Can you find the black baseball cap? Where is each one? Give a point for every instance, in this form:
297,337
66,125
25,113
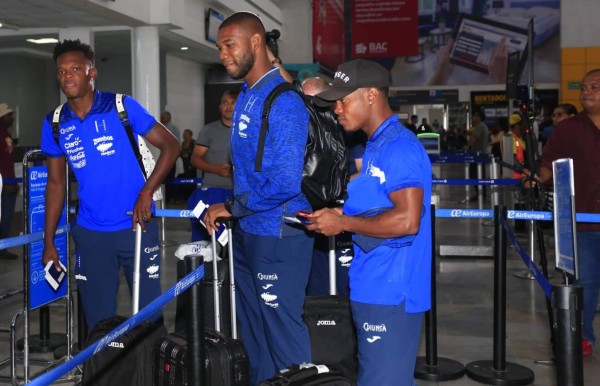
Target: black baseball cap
351,76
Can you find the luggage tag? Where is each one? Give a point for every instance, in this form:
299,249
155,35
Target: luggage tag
199,212
54,277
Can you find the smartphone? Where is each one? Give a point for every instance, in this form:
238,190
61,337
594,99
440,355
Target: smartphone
297,220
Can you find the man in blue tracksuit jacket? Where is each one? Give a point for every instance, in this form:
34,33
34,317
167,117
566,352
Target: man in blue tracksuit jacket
272,258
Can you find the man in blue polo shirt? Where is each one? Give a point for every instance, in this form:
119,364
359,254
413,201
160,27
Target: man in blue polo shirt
388,210
92,138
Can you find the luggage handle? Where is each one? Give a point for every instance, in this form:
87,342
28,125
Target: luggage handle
216,286
228,221
135,301
332,270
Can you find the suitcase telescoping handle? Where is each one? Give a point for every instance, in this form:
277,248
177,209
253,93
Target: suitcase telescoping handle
332,270
228,221
135,301
216,284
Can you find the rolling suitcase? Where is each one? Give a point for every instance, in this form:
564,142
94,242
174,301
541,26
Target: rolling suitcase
307,375
331,329
226,358
126,360
210,286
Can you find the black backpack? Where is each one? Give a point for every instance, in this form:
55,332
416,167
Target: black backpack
325,171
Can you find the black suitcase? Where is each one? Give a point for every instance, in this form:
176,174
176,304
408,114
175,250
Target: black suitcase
209,302
126,360
331,329
226,361
307,375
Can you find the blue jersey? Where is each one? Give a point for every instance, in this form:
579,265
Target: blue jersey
263,198
102,159
398,269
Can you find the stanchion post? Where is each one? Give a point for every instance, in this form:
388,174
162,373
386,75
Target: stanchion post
431,367
479,188
195,324
163,239
567,304
467,176
498,371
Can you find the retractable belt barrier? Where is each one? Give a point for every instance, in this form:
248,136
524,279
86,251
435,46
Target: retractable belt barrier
146,312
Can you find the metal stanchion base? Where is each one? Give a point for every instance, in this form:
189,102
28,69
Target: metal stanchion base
446,370
61,351
167,243
524,274
36,344
513,374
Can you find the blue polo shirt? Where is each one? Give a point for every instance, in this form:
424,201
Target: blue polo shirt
398,269
102,159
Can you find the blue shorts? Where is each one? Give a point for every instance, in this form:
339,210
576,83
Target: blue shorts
209,196
388,341
99,258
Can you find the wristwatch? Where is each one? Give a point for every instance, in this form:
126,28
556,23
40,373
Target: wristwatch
228,204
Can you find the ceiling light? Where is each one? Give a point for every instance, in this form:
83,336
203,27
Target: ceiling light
43,41
184,48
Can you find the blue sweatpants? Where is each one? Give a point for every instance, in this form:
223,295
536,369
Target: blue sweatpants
388,340
208,196
271,275
99,258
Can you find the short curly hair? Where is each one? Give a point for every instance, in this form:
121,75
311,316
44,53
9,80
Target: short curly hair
73,45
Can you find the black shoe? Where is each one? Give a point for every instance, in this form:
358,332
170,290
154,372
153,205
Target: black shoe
4,254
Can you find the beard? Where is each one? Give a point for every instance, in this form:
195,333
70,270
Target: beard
244,67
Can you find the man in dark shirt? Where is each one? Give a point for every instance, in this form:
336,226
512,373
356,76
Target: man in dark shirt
7,170
412,126
578,138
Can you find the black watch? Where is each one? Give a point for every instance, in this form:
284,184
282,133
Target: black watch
228,204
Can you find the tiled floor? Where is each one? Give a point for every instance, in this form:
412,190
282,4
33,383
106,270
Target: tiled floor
465,300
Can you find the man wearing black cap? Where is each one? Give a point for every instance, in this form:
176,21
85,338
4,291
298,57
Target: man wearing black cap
388,211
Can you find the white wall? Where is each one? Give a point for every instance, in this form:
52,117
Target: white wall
579,25
185,93
24,86
295,45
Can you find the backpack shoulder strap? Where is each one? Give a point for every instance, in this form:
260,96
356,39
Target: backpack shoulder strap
56,123
264,123
122,113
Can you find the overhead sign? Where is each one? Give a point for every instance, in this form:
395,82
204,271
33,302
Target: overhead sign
419,97
384,29
328,33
